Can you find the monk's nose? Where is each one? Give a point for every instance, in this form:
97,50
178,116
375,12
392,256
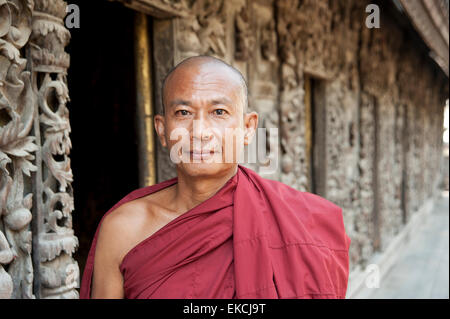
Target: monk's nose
201,130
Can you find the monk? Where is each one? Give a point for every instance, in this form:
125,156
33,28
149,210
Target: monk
218,229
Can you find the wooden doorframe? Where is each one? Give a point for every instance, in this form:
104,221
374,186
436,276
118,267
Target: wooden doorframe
159,50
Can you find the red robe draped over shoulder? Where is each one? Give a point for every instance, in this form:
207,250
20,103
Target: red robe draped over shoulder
255,238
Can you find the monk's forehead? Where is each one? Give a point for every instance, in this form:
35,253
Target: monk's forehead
203,76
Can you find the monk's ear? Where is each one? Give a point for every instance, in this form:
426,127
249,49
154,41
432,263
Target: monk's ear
160,127
250,126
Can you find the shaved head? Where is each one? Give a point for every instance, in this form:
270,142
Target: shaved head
196,63
205,117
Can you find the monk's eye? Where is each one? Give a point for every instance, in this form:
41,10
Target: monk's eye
182,113
219,112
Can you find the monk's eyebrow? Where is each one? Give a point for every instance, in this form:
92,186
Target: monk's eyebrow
179,102
223,101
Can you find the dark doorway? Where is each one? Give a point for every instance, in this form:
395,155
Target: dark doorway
102,113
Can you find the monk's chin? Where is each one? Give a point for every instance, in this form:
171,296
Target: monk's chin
205,169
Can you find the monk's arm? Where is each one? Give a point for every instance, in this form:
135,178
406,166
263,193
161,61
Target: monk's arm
107,280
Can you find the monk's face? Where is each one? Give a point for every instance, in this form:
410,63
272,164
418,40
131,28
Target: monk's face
204,125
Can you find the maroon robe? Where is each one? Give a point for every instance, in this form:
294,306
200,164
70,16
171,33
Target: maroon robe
255,238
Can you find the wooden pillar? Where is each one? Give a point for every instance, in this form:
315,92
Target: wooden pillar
144,96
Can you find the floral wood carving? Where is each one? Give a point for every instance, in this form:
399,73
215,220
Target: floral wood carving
55,240
17,146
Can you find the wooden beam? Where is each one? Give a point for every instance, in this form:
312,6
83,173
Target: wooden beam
144,97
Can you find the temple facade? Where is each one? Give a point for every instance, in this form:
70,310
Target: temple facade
355,88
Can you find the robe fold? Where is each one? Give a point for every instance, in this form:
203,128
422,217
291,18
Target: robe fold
255,238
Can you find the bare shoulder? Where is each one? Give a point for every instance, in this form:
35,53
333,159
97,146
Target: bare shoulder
120,229
130,223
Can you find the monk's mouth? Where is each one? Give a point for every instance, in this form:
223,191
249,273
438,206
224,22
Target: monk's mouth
201,155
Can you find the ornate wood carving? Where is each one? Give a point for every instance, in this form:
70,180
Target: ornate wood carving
361,118
53,238
164,58
203,31
363,223
389,172
258,56
292,111
17,146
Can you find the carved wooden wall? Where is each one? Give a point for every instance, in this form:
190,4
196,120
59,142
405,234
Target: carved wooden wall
36,236
53,236
17,151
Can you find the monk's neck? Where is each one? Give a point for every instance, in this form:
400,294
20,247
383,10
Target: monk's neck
190,191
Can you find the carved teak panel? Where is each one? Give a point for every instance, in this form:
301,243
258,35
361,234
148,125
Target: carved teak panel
36,202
